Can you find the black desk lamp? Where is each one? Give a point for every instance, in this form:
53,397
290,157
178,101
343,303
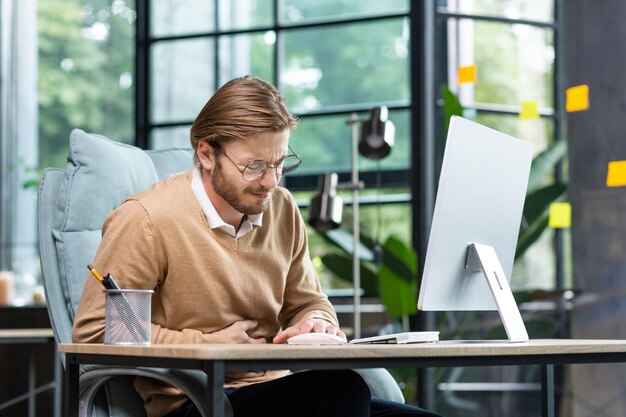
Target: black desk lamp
375,142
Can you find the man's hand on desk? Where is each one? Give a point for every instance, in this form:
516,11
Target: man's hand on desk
307,326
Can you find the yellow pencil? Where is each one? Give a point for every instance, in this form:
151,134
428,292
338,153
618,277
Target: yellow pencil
95,273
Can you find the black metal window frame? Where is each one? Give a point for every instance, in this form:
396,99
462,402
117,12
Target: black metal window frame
144,125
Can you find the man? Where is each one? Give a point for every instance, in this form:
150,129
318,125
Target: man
225,251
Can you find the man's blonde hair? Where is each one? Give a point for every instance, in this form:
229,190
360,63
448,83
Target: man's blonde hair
241,109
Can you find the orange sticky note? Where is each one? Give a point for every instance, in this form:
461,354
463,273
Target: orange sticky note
560,215
530,110
616,176
577,98
467,74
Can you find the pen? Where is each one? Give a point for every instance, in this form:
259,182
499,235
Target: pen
108,281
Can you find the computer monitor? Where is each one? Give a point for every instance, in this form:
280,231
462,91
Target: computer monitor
476,224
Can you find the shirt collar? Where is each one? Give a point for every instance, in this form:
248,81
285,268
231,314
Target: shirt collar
213,218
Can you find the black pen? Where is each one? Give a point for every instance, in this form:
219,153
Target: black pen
108,282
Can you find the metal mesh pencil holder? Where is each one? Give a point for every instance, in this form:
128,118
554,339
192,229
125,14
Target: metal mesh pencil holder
127,317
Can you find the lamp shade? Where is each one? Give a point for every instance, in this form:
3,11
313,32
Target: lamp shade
377,134
326,207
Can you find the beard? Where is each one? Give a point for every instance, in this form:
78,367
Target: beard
235,196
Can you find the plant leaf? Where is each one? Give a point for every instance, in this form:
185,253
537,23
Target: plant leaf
398,295
344,241
400,258
544,163
536,215
340,264
538,202
530,235
451,107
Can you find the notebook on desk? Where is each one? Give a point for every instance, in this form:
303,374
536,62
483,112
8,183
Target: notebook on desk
401,338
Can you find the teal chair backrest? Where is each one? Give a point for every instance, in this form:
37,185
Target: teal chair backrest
99,175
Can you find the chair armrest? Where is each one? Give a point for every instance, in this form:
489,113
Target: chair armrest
381,384
192,382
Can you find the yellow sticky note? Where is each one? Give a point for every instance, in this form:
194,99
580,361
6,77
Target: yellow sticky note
467,74
560,215
577,98
616,176
530,110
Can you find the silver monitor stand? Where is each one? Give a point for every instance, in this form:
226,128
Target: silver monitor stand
483,258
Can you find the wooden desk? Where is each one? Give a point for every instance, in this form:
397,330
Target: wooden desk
33,336
214,360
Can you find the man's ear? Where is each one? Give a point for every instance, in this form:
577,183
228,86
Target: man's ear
206,155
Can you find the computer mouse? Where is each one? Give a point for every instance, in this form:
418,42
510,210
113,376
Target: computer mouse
316,339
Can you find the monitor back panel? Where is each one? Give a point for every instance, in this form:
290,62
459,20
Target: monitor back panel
480,199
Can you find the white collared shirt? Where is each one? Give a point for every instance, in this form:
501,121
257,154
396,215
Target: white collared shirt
214,219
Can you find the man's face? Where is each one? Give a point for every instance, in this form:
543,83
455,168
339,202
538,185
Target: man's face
226,178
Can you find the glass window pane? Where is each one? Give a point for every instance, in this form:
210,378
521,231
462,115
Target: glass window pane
541,10
181,17
299,11
539,132
514,63
170,137
341,65
244,14
247,55
382,221
183,78
86,74
324,145
535,269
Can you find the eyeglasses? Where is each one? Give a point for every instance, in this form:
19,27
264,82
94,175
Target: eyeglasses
255,170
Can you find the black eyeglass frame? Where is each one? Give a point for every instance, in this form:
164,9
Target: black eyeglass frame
215,145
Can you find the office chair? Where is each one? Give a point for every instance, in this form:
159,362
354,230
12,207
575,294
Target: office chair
73,203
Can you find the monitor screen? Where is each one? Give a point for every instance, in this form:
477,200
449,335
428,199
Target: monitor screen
480,198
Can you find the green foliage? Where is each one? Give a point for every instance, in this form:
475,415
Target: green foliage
544,163
343,240
79,77
395,280
538,199
398,278
451,106
341,265
400,259
536,215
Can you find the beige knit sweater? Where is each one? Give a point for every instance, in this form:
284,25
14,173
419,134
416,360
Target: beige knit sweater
204,280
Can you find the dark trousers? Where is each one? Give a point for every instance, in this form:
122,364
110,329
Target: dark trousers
326,393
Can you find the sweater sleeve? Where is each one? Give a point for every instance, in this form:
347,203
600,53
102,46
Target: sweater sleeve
131,253
304,298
